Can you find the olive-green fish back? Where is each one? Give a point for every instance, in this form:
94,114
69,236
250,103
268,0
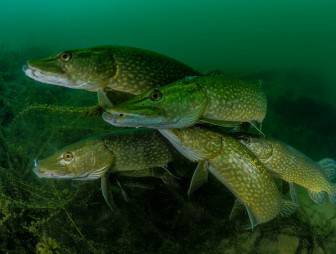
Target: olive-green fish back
233,99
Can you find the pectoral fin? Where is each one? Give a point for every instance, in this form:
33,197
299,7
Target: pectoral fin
106,191
103,100
199,177
257,126
293,193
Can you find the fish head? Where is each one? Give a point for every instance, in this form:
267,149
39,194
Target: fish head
176,105
260,146
88,69
81,161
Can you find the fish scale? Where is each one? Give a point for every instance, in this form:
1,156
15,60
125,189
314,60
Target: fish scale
218,100
236,167
293,166
108,68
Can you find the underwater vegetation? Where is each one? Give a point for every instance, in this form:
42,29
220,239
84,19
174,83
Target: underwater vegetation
50,216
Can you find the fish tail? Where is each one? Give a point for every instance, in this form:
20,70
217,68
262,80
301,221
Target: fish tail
317,196
288,207
328,165
332,194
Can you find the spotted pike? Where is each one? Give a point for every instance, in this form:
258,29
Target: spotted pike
123,70
235,166
294,167
218,100
121,152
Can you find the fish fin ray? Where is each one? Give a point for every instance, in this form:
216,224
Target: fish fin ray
293,193
199,178
123,192
317,196
329,167
169,170
332,195
238,205
107,194
257,125
253,220
103,100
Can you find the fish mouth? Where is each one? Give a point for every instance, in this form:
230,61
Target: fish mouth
41,173
123,119
47,77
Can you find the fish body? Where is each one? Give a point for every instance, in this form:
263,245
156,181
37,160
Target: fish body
108,68
117,152
219,100
293,166
129,152
235,166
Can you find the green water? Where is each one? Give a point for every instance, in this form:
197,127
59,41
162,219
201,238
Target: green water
290,45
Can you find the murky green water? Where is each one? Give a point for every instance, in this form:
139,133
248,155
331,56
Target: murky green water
289,45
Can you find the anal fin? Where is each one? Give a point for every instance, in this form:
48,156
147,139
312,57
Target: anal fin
329,167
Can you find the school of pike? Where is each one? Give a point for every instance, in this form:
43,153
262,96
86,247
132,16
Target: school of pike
140,88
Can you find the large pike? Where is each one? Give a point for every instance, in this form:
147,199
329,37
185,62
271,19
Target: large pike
218,100
235,166
294,167
124,71
119,152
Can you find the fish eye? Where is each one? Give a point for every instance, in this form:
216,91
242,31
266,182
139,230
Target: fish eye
245,139
65,56
155,95
68,156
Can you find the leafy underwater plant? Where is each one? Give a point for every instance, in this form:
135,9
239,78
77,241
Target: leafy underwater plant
48,246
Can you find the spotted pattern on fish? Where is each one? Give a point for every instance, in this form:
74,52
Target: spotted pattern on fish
290,164
127,150
248,180
234,165
217,100
232,99
125,69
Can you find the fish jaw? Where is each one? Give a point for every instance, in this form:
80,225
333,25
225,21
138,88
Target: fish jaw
135,120
47,77
41,173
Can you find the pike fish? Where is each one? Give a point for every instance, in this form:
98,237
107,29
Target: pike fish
120,71
125,152
235,166
218,100
294,167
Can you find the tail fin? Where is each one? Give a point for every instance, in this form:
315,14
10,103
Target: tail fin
332,194
317,196
329,167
